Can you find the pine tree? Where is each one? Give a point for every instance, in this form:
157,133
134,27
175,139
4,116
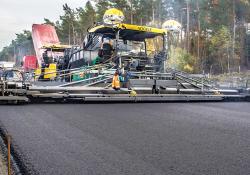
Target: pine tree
86,19
68,25
101,7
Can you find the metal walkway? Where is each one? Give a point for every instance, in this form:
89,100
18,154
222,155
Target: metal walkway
144,87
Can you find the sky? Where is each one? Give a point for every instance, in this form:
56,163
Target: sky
17,15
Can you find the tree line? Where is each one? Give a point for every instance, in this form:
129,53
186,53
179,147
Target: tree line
214,35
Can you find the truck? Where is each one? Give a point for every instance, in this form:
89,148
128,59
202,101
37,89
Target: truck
49,51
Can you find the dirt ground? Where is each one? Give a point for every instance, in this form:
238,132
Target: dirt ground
3,167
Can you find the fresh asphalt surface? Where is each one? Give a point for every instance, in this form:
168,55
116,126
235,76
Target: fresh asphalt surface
113,139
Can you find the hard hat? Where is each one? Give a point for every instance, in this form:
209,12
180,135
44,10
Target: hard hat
133,93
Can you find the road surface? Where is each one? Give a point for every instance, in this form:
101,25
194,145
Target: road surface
136,139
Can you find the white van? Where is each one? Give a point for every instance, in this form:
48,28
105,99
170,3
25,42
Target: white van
5,64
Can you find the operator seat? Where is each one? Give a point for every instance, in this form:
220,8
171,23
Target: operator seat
107,51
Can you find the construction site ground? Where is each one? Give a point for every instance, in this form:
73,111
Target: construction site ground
3,165
148,138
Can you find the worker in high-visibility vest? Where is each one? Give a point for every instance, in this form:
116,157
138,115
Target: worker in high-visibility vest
116,81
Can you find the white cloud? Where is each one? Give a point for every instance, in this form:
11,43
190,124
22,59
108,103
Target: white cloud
17,15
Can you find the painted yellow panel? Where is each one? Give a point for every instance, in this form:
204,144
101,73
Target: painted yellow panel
38,72
130,27
50,72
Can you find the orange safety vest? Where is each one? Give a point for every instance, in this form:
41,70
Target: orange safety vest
116,82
